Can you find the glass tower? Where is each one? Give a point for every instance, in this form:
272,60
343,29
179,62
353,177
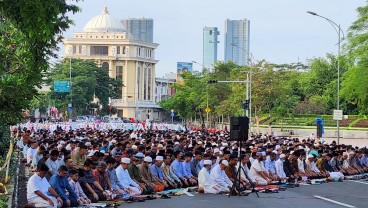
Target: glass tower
139,28
210,41
237,41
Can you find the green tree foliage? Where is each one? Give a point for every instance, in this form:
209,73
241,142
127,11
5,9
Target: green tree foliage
88,81
355,80
29,34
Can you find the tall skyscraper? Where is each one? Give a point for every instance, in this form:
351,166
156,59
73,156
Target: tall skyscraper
237,41
210,41
139,28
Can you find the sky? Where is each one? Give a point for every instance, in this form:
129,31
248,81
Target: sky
280,31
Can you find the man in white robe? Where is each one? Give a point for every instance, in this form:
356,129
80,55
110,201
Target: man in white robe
219,178
204,180
130,186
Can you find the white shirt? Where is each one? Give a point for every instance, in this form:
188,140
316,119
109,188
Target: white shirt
204,179
36,183
256,166
219,177
300,165
30,154
279,165
54,165
245,170
124,177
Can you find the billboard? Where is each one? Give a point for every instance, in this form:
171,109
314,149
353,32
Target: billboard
61,86
184,67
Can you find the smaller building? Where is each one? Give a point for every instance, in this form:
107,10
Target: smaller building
140,29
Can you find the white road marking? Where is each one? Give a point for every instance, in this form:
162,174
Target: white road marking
360,182
333,201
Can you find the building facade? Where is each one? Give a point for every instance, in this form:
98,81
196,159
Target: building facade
237,34
104,39
139,28
210,41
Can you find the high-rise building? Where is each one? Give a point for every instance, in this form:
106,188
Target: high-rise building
140,29
237,41
210,41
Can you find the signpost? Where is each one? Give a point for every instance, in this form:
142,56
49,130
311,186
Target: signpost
337,115
61,86
207,110
172,115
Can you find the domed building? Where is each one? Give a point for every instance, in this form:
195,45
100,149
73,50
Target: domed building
104,40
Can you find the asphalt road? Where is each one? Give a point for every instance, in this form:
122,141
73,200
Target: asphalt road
348,194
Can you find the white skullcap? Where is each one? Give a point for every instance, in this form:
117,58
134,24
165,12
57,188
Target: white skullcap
200,142
351,153
345,154
160,146
221,148
134,147
310,156
216,150
301,147
207,162
125,160
277,147
224,144
291,152
113,141
282,156
62,142
225,162
274,151
251,147
88,144
263,153
148,159
176,143
214,144
159,158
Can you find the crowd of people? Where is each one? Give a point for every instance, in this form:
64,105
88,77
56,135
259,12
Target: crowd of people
83,166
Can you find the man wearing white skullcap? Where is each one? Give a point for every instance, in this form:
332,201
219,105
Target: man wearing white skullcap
204,180
147,176
219,178
279,166
122,173
259,172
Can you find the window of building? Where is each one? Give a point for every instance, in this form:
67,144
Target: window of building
210,32
145,84
74,49
105,66
139,51
139,83
117,49
119,75
99,50
124,49
149,84
80,49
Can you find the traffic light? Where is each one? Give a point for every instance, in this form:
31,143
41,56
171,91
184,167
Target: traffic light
212,81
245,106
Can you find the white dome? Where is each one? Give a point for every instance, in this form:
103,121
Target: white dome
104,23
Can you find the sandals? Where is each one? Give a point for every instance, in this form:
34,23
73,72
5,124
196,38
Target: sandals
150,198
164,196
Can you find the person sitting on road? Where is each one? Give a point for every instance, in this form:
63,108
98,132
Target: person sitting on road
258,171
279,166
219,178
270,166
129,185
205,184
39,191
73,182
187,169
60,184
90,186
147,176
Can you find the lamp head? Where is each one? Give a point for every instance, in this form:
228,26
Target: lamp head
312,13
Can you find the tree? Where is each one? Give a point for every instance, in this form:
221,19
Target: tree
88,81
29,34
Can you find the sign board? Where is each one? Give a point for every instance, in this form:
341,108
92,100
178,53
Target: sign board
207,110
337,115
172,114
61,86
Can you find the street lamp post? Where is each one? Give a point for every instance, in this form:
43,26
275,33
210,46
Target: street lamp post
338,31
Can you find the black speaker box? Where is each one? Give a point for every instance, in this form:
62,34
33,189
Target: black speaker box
239,128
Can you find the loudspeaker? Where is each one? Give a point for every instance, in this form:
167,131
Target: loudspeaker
239,127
